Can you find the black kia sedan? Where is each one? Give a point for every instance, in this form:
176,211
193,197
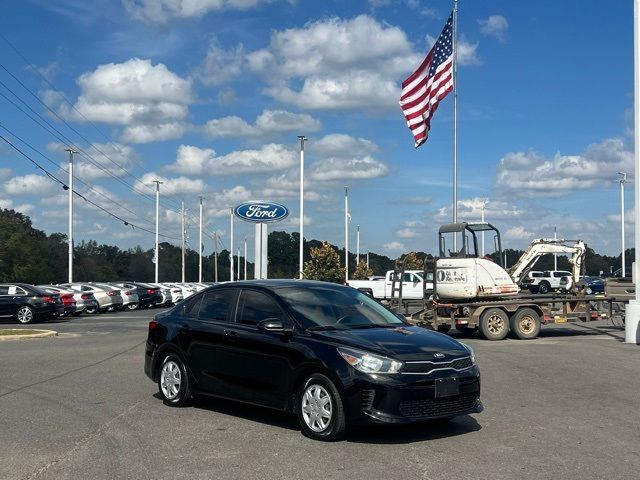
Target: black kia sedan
27,304
326,352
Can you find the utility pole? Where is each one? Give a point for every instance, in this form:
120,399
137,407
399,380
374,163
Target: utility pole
301,253
157,248
623,180
484,204
357,245
555,255
245,258
231,250
215,257
200,246
346,234
183,243
71,152
367,260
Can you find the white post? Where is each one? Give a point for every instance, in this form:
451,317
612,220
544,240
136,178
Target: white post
623,180
555,255
70,239
183,245
346,234
238,272
157,247
231,250
632,317
301,253
200,246
245,258
455,119
215,257
357,244
482,220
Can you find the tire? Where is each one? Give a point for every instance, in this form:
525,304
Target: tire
544,287
494,324
525,324
173,382
444,328
25,315
316,394
92,310
133,306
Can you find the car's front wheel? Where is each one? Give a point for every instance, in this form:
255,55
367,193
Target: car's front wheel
173,382
320,409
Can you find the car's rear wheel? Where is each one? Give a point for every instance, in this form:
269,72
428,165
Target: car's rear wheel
173,382
25,315
320,409
132,306
494,324
525,324
544,287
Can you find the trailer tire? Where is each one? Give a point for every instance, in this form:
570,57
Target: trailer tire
525,324
494,324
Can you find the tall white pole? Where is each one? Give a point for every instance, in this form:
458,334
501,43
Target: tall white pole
238,272
357,245
157,247
70,239
301,247
215,257
623,180
555,255
245,258
183,244
200,246
482,220
231,250
346,234
632,317
455,117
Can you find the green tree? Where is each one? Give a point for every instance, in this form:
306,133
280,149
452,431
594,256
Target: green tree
362,272
324,265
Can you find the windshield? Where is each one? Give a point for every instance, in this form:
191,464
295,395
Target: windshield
331,308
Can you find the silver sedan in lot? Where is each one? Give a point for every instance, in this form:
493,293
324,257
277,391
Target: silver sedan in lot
129,296
107,297
85,301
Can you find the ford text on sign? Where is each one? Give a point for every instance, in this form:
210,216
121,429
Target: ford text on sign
261,212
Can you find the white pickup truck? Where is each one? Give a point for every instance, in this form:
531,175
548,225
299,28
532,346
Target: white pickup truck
412,285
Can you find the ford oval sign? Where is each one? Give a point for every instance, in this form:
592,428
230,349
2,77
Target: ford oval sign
261,212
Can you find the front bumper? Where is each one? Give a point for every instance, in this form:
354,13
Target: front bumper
401,398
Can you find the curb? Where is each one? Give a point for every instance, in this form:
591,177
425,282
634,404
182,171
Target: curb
36,334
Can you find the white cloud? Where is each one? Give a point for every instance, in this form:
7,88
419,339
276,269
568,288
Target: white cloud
494,26
171,186
99,160
339,63
518,233
268,122
25,208
394,247
149,100
529,174
196,161
5,173
220,65
348,169
31,184
161,11
470,210
339,144
233,196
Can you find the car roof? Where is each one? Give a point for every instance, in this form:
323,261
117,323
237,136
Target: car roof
274,284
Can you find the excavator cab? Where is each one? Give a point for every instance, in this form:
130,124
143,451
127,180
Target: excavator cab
460,240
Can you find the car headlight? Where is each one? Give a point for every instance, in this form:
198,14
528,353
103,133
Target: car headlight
368,362
472,354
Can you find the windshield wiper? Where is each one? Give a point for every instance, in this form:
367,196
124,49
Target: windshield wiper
374,325
318,328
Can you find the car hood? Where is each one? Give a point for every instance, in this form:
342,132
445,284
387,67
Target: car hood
404,343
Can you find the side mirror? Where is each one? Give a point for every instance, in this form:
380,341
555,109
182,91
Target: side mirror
274,325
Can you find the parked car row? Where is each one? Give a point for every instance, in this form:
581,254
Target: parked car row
30,303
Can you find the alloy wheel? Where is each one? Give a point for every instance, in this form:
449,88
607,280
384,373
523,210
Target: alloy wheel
171,380
24,315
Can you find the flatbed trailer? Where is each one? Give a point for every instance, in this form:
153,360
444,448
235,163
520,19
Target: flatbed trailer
522,316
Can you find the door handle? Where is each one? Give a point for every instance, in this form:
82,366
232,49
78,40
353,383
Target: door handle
231,334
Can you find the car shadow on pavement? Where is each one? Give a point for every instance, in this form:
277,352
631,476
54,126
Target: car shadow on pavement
53,321
414,432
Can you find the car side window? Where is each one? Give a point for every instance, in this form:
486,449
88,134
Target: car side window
256,306
191,307
4,290
216,305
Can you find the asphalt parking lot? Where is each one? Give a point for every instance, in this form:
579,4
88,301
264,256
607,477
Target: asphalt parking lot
79,406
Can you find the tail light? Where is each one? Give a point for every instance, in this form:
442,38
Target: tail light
152,325
151,291
112,293
85,296
130,292
48,299
176,290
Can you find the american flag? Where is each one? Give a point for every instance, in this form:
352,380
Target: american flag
430,83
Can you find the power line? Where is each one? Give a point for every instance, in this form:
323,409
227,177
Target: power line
64,185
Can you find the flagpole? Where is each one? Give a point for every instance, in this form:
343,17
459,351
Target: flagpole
455,116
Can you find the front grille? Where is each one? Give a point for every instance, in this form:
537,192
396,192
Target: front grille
366,399
431,407
428,367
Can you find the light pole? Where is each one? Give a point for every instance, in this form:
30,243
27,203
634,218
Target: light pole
483,205
184,232
301,253
231,250
200,246
215,257
245,258
346,234
357,245
71,152
623,180
157,248
555,255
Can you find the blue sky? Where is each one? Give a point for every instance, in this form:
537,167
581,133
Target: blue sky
209,96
